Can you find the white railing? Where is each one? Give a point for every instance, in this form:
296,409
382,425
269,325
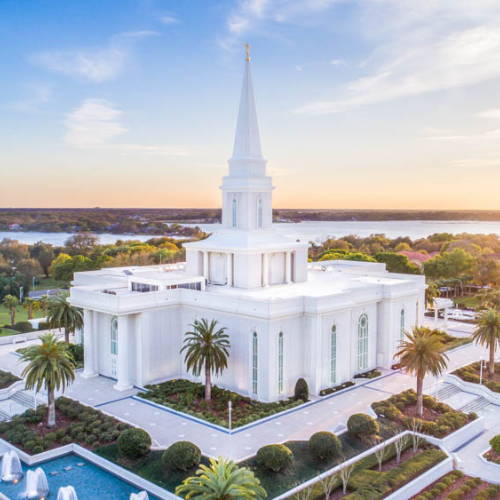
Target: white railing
472,387
25,337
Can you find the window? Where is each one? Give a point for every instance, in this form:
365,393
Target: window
235,213
259,213
255,370
143,287
333,355
280,363
402,325
363,342
114,335
416,313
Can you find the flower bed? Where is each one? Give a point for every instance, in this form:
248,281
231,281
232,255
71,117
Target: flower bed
438,420
331,390
472,373
7,379
369,374
457,486
76,423
188,397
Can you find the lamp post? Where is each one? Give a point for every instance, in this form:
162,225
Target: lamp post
481,370
230,412
34,283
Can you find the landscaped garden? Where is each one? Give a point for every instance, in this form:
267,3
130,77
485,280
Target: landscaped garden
438,418
75,423
188,397
7,379
493,454
457,486
472,373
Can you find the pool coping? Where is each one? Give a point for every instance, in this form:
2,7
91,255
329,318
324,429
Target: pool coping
110,467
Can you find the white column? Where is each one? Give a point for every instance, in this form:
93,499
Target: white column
288,269
313,324
435,313
205,264
139,329
265,270
89,361
124,377
229,269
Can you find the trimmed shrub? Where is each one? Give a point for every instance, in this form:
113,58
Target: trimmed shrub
134,443
361,425
495,443
301,390
182,455
23,327
274,457
324,445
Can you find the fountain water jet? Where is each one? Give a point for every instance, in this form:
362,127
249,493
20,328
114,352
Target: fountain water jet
66,493
12,469
142,495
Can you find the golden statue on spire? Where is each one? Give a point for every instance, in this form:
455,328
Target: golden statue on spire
247,52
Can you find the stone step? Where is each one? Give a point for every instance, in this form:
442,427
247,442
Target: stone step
24,399
475,405
447,391
4,416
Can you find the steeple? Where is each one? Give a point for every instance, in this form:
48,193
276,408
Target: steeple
247,139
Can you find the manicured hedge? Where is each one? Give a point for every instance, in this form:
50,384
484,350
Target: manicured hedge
369,374
182,455
331,390
87,427
324,445
362,426
134,443
188,397
495,443
274,457
301,390
470,373
7,379
449,420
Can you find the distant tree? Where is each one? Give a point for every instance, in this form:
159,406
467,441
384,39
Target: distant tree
422,352
403,246
31,305
453,264
11,302
29,267
62,314
487,333
81,244
397,263
487,271
13,251
206,350
489,298
44,253
431,293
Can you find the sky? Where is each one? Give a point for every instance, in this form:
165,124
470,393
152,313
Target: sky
362,103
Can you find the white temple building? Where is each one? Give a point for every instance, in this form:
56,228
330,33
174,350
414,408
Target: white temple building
286,318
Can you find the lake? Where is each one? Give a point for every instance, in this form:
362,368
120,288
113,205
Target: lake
309,230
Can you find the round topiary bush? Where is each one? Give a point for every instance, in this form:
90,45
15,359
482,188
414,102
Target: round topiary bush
324,445
274,457
495,443
301,390
134,443
182,455
361,425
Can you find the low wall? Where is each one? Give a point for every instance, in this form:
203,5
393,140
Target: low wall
490,471
419,483
24,337
471,387
12,389
112,468
460,437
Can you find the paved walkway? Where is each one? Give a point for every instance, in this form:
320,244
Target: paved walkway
165,427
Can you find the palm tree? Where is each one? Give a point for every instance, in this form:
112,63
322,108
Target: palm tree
206,348
11,302
61,314
31,305
50,366
487,333
222,480
422,352
431,292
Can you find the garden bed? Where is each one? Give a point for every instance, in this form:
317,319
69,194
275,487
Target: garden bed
7,379
438,420
492,456
188,397
75,423
472,373
369,374
340,387
457,486
451,342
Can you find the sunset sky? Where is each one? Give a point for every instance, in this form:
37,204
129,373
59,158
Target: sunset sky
361,103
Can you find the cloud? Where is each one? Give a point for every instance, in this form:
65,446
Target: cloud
489,113
97,64
168,19
96,122
420,48
35,96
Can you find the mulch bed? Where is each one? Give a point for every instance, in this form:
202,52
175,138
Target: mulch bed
455,486
492,456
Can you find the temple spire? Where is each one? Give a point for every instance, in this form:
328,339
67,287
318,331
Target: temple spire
247,139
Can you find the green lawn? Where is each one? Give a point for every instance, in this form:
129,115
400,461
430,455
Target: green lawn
49,284
5,332
21,315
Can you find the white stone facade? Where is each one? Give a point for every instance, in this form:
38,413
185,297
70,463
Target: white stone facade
286,318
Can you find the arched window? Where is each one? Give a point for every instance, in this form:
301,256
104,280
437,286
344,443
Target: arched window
255,360
363,342
402,324
259,213
280,363
235,213
114,335
333,355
